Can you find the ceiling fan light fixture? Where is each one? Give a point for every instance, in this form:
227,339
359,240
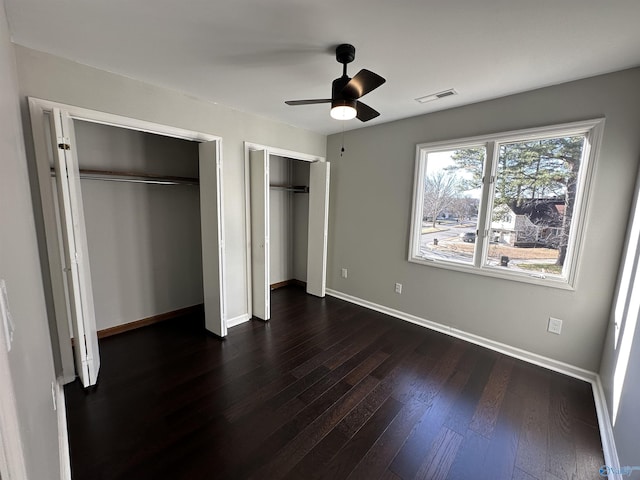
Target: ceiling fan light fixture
343,109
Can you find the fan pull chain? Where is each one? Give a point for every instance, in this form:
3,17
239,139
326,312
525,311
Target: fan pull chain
342,147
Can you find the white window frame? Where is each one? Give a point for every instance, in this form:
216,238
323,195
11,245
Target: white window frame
591,129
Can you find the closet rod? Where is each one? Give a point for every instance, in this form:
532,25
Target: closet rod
291,188
133,177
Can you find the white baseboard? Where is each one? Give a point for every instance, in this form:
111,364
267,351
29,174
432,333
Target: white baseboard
63,432
232,322
609,450
604,422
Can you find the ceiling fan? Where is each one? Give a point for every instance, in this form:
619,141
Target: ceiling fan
346,91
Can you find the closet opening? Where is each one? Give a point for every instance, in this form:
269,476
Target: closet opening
141,201
288,221
287,200
133,229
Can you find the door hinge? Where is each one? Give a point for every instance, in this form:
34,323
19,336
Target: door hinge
64,146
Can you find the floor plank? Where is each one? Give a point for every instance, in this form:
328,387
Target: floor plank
486,413
441,456
469,460
532,448
349,456
501,453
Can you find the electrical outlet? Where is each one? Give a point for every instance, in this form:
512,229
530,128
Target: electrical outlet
344,273
555,325
398,288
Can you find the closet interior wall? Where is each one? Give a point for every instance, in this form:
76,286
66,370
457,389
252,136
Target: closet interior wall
289,220
144,239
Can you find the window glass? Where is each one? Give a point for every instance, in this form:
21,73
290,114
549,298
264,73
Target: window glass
452,187
534,194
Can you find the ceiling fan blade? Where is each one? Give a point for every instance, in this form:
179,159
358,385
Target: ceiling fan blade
365,112
308,102
364,81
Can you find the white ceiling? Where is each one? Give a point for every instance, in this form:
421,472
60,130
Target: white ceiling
253,55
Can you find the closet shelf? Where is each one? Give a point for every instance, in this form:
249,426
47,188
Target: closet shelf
133,177
291,188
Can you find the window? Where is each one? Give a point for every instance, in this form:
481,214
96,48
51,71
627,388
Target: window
509,205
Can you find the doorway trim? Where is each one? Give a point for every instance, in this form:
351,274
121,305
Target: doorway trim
37,109
281,152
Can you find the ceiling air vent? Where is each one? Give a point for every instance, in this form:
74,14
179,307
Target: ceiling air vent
436,96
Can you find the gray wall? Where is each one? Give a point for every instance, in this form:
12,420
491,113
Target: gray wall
280,208
30,359
300,221
289,221
144,240
49,77
370,208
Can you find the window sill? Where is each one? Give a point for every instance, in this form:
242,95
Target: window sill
497,272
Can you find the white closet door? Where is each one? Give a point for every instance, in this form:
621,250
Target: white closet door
318,228
211,225
260,267
76,261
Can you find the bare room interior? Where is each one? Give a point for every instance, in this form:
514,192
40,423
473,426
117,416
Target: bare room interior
319,240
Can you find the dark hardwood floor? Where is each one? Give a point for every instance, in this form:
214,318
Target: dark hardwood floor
325,390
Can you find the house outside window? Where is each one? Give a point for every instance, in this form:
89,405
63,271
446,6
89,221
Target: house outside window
511,205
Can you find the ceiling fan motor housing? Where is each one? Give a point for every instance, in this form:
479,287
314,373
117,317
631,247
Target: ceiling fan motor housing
337,87
345,53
